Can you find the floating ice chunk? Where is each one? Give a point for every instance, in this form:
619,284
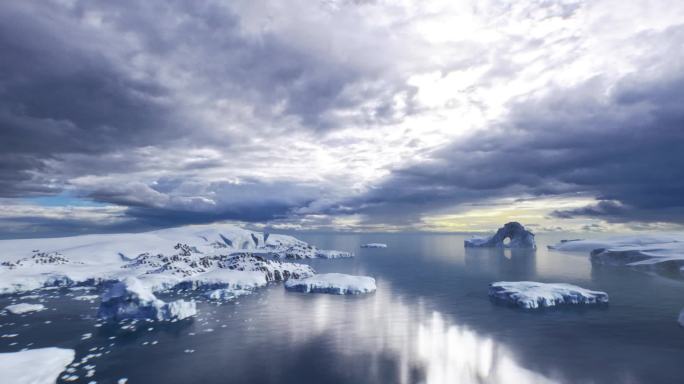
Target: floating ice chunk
35,366
518,235
374,245
21,308
131,299
225,294
335,283
530,294
332,254
681,318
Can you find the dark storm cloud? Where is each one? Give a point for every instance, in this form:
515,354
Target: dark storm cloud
626,149
101,88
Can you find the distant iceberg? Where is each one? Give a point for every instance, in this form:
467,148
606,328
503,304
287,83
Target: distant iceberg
518,235
531,295
334,283
374,245
34,366
130,299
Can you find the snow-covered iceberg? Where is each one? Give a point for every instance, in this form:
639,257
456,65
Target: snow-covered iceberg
374,245
335,283
193,256
530,294
332,254
643,250
21,308
34,366
131,299
518,235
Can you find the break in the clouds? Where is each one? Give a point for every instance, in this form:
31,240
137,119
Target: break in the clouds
340,114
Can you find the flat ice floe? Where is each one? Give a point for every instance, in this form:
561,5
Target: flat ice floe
335,283
530,294
332,254
194,257
21,308
645,250
35,366
130,299
374,245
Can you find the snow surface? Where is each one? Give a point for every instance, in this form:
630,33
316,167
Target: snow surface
218,255
643,250
374,245
21,308
35,366
530,294
335,283
131,299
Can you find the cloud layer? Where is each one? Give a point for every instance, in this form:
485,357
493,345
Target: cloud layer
337,114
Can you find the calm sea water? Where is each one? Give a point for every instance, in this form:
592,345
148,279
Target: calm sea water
430,321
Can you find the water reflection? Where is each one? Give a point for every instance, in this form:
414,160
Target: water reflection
521,262
417,339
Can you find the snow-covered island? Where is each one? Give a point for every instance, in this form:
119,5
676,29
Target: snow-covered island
664,251
207,257
517,234
34,366
374,245
334,283
531,295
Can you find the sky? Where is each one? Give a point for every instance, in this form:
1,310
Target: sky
341,115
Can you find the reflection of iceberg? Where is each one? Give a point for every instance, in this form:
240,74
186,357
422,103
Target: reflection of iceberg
419,341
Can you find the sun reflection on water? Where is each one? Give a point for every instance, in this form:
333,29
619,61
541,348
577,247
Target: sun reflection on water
418,339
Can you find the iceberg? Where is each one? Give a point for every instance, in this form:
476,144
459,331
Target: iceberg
22,308
374,245
640,251
131,299
34,366
681,318
334,283
518,235
332,254
531,295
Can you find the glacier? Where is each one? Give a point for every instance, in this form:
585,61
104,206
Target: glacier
662,251
34,366
334,283
532,295
192,257
518,235
131,299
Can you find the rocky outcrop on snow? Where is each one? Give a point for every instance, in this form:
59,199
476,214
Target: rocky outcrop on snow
517,234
